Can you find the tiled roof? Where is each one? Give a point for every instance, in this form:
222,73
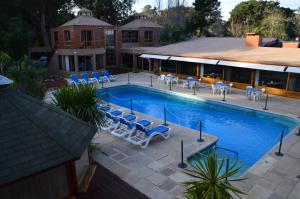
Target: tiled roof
35,136
140,23
86,21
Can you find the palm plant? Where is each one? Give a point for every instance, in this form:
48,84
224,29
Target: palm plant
211,182
79,101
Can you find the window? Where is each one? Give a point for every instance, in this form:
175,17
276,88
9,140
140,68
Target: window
129,36
110,40
68,63
99,61
168,66
148,36
85,63
240,75
213,71
294,84
56,37
187,68
273,79
67,35
86,38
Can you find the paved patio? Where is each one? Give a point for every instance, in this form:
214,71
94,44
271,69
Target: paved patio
153,171
271,177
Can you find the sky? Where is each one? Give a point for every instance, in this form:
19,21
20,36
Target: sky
226,5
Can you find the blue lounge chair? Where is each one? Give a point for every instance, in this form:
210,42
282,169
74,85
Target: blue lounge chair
112,120
75,80
144,135
127,128
111,78
99,78
86,78
103,108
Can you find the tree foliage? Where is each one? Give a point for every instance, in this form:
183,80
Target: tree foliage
4,62
172,33
210,180
28,78
206,13
111,11
253,16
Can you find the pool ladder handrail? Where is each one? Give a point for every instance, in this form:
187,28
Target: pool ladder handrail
229,150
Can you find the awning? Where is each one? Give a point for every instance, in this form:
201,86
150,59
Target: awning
253,66
293,70
148,56
195,60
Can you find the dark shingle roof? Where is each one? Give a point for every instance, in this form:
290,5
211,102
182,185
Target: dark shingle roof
86,21
140,23
35,136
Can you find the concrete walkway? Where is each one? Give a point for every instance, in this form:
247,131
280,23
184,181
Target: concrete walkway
272,176
153,171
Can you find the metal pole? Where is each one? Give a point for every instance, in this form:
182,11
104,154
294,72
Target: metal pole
278,153
128,78
200,132
224,95
227,167
194,88
107,97
298,134
267,98
182,165
151,81
131,112
102,83
170,85
165,116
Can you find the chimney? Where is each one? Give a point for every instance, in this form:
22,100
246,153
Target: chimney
5,82
291,44
253,40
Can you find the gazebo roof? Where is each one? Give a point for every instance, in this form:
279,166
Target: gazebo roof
35,136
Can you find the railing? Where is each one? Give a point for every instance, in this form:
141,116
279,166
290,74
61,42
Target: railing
81,44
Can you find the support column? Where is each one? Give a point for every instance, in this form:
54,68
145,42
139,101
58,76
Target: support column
67,63
71,177
76,63
201,70
198,71
288,81
256,82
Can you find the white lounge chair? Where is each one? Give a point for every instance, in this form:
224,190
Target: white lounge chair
214,89
161,78
144,136
112,120
127,128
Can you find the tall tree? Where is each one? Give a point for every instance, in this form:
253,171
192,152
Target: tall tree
253,15
34,17
206,13
112,11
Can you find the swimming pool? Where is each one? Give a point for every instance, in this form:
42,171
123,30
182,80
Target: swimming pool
249,132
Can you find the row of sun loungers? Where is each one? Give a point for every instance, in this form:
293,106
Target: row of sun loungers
97,78
130,128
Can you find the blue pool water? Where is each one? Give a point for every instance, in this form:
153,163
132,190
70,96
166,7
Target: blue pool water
249,132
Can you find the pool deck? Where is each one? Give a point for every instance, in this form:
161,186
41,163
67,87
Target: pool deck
154,170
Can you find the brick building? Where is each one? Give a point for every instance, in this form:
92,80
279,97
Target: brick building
86,44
